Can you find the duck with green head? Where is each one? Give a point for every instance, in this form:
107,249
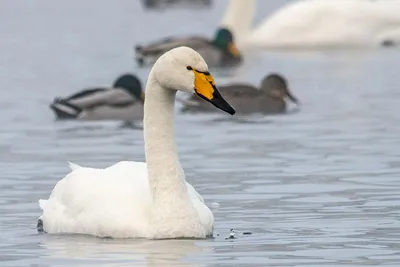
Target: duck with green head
221,51
122,101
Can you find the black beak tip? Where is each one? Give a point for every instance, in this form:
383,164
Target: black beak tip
231,111
219,102
223,105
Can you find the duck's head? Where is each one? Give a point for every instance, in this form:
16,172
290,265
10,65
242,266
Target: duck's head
224,40
131,84
276,86
185,70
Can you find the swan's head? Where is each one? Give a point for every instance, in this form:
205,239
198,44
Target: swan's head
131,84
276,86
185,70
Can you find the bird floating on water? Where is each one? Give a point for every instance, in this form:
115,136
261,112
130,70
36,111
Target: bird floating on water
161,4
268,98
135,199
123,101
221,51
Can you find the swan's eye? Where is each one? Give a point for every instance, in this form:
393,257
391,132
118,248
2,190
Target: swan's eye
189,68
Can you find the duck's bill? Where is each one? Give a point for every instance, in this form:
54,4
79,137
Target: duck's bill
142,60
205,88
145,56
233,49
141,97
292,98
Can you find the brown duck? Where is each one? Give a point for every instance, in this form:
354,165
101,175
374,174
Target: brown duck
269,98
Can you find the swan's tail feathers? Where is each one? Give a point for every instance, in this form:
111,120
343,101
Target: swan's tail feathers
73,166
42,203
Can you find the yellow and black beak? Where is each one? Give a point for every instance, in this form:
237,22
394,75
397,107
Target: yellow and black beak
204,86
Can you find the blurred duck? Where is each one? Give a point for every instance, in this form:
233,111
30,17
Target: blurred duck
155,4
248,99
221,51
124,101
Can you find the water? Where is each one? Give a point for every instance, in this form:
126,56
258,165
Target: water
318,187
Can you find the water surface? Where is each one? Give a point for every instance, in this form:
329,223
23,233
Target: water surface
318,187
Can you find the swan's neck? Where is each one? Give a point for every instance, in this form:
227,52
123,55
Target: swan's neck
165,173
172,207
238,17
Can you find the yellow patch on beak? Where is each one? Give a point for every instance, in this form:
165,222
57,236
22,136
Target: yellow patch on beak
142,96
204,84
204,87
233,49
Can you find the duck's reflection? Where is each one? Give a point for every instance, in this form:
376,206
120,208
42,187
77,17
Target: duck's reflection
120,252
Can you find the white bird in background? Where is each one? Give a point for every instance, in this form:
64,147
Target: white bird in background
311,24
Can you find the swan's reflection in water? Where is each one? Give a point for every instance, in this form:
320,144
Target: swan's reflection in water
89,251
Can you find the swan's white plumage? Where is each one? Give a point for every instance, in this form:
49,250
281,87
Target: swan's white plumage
238,17
114,201
133,199
73,166
317,24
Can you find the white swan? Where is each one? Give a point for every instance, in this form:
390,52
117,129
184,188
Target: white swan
316,24
134,199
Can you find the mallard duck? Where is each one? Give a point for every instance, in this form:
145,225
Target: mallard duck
269,98
135,199
153,4
121,102
221,51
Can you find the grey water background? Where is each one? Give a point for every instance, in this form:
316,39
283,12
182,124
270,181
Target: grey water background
317,187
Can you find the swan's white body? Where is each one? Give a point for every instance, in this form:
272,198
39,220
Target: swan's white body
317,24
114,202
132,199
